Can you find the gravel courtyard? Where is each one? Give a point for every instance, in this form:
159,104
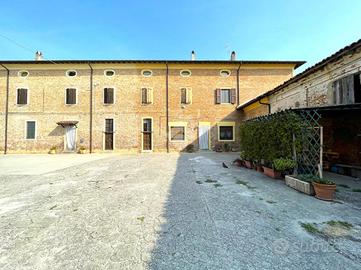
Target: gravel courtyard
165,211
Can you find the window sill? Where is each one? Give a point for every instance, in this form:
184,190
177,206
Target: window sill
177,141
226,140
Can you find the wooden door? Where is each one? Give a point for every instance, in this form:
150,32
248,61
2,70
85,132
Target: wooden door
147,134
109,134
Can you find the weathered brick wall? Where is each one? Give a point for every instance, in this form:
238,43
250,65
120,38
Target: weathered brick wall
314,90
47,84
253,113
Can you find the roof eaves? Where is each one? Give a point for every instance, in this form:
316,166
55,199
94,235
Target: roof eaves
310,70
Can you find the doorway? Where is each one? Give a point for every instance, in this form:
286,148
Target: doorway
203,135
147,134
109,134
70,138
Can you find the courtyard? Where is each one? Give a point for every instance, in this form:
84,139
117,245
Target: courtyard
166,211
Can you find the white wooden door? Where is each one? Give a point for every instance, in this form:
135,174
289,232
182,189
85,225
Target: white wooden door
203,137
70,138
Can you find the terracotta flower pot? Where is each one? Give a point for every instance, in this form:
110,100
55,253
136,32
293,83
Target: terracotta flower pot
52,151
259,169
324,191
271,172
248,164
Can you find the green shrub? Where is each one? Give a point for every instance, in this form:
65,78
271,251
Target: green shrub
271,137
283,164
313,178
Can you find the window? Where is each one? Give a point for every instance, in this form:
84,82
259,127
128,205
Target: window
109,73
23,74
22,96
147,73
347,90
70,96
71,73
108,95
225,96
177,133
226,131
186,96
225,73
147,96
185,73
30,130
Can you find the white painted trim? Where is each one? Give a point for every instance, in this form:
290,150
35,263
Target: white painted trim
104,133
26,130
146,76
20,71
106,70
223,70
67,73
147,117
76,96
27,96
185,76
114,96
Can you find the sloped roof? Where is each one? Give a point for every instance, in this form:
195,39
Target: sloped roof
332,58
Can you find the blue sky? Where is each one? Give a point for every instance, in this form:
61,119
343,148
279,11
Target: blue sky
256,30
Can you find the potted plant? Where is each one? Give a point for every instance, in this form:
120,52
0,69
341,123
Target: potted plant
324,188
53,149
284,165
270,171
248,164
82,150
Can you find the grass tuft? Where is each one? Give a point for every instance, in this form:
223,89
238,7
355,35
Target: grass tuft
340,223
199,182
343,185
141,219
356,190
209,180
309,227
271,202
218,185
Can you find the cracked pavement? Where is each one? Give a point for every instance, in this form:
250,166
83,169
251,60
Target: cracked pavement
164,211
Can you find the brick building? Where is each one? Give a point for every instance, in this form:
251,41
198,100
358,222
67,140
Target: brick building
128,106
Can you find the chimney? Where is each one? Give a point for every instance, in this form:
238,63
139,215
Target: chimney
38,56
193,56
233,56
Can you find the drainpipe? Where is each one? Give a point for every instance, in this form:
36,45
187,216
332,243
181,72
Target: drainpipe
239,67
167,103
6,109
91,111
268,104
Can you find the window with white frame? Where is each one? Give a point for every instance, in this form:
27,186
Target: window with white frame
109,73
71,73
177,133
147,73
225,73
30,132
70,96
226,131
225,95
22,96
23,73
185,73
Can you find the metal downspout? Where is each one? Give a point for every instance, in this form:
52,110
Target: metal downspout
91,111
167,103
6,109
239,67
